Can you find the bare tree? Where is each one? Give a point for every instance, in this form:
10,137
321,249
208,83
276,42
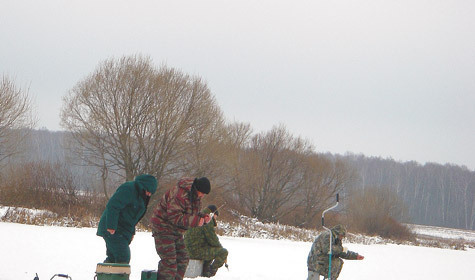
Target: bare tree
213,152
322,179
377,210
134,118
16,117
237,139
269,173
204,144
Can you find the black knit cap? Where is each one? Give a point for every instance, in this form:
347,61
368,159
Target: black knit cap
202,184
213,209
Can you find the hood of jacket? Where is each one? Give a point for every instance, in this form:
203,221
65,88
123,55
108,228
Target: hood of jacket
147,182
338,230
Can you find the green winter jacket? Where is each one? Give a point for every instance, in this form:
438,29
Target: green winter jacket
198,239
127,206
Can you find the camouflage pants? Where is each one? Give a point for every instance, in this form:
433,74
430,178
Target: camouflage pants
173,257
208,254
322,269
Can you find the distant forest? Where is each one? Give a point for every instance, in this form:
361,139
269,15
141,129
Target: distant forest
434,194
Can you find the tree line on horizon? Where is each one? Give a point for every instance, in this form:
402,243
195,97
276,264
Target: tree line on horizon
434,194
129,117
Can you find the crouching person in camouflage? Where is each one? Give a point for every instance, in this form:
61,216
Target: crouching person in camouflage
318,263
202,243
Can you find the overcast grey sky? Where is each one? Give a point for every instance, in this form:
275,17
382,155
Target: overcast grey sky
378,77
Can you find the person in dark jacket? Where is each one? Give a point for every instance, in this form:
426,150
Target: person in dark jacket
123,211
202,243
318,258
178,210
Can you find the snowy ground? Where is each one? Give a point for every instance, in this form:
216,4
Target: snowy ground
26,250
449,233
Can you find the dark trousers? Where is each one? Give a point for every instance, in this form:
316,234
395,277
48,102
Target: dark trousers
118,250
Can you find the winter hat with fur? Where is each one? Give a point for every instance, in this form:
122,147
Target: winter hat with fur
339,230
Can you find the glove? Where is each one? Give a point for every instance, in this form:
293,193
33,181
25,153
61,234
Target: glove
359,257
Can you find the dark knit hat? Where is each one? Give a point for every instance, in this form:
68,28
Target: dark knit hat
213,209
202,184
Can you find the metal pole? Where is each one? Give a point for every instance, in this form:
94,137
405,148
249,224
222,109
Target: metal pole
331,237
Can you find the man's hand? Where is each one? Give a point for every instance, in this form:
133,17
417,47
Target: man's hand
204,220
359,257
111,231
207,218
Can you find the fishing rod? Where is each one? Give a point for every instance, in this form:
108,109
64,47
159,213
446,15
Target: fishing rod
212,213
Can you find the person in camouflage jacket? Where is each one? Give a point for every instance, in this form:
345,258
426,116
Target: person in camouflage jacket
178,210
202,243
318,258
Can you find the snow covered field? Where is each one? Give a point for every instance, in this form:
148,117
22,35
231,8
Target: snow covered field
449,233
26,250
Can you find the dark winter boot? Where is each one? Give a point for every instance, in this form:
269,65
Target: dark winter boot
206,267
209,271
212,271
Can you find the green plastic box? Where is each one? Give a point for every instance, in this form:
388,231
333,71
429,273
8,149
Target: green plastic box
112,271
149,275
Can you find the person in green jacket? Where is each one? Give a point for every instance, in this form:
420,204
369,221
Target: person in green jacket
202,243
123,211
